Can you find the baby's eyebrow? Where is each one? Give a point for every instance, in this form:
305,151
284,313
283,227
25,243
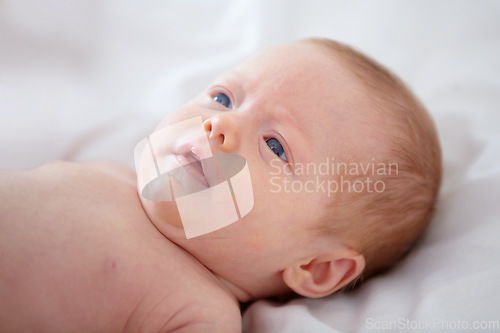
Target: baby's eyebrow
237,74
240,79
295,136
285,113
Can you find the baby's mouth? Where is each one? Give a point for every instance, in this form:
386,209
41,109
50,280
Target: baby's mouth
195,162
192,164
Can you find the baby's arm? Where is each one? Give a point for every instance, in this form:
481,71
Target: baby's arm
201,327
219,314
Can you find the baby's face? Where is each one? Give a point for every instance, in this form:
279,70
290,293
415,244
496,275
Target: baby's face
289,105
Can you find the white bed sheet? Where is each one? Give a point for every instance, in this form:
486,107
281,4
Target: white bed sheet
85,80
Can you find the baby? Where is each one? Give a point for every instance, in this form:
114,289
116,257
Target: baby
344,169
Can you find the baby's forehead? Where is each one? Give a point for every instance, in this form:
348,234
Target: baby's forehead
304,74
294,63
318,90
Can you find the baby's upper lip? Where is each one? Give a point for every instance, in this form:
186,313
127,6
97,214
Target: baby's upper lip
189,148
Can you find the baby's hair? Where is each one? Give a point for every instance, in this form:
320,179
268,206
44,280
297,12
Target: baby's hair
384,225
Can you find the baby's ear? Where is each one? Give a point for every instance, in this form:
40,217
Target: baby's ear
324,274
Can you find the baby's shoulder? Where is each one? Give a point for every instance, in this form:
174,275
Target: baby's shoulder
55,176
60,171
97,170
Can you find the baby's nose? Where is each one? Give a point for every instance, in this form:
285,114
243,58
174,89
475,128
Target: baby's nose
222,132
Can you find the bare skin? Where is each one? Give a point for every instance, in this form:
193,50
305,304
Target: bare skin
86,258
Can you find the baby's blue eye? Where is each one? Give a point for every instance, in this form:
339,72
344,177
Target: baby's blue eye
222,98
277,148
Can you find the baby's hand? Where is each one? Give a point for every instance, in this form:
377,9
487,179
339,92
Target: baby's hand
198,318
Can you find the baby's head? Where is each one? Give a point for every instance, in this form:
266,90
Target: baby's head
344,164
